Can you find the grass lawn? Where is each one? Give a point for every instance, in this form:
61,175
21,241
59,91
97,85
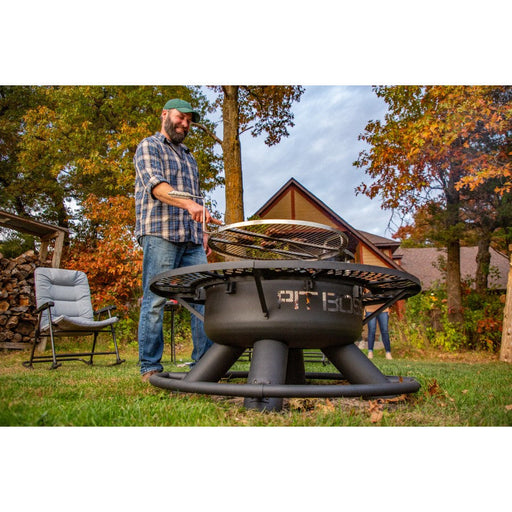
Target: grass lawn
457,390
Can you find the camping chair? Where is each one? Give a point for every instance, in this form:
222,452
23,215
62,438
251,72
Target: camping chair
64,308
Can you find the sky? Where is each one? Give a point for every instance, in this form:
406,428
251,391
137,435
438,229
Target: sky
319,153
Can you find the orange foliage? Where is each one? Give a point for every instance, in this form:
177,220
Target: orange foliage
109,255
435,138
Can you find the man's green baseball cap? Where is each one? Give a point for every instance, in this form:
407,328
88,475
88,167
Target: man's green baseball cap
183,106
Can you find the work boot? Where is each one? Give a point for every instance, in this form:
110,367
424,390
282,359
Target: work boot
145,376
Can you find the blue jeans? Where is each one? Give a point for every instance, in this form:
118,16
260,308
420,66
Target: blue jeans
160,256
383,319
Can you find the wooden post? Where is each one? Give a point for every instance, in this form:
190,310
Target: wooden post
58,239
57,250
506,333
43,251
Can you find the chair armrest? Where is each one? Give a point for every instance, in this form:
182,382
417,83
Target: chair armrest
46,305
105,309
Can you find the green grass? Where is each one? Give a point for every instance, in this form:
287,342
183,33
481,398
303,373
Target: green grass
462,391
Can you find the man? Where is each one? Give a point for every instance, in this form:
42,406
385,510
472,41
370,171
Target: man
169,229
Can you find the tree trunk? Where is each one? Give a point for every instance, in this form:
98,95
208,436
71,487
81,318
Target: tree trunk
506,333
232,156
453,283
483,263
453,277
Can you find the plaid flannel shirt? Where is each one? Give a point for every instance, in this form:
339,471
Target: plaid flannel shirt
157,160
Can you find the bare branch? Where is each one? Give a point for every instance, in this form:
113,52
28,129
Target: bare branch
246,129
208,132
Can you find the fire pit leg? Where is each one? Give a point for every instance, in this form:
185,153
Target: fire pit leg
354,365
268,366
214,364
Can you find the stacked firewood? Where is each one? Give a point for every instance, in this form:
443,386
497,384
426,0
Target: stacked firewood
17,300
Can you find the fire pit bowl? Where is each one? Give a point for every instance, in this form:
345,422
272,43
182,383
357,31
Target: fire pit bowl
299,312
279,308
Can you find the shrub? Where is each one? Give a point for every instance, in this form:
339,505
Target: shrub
426,321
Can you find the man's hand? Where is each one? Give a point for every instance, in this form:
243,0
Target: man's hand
197,212
161,192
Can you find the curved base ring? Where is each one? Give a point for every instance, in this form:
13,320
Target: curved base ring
395,386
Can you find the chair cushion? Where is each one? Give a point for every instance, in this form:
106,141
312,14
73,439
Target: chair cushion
67,323
67,289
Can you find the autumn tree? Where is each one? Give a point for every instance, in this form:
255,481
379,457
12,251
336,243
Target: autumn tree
15,102
81,141
489,216
489,120
427,149
258,109
106,248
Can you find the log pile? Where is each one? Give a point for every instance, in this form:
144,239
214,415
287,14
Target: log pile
17,301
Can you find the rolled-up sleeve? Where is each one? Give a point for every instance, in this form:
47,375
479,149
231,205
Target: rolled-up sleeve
148,165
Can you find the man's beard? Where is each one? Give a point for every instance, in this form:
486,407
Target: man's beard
174,136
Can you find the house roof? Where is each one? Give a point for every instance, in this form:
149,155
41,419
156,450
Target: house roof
422,262
382,242
372,242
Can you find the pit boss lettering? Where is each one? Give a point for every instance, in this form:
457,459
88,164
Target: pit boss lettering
331,302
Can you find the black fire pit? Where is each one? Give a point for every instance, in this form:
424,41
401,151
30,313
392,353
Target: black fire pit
278,308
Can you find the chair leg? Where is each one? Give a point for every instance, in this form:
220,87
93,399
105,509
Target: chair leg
118,359
54,365
93,348
28,364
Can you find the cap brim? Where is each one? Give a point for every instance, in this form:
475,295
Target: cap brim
195,115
